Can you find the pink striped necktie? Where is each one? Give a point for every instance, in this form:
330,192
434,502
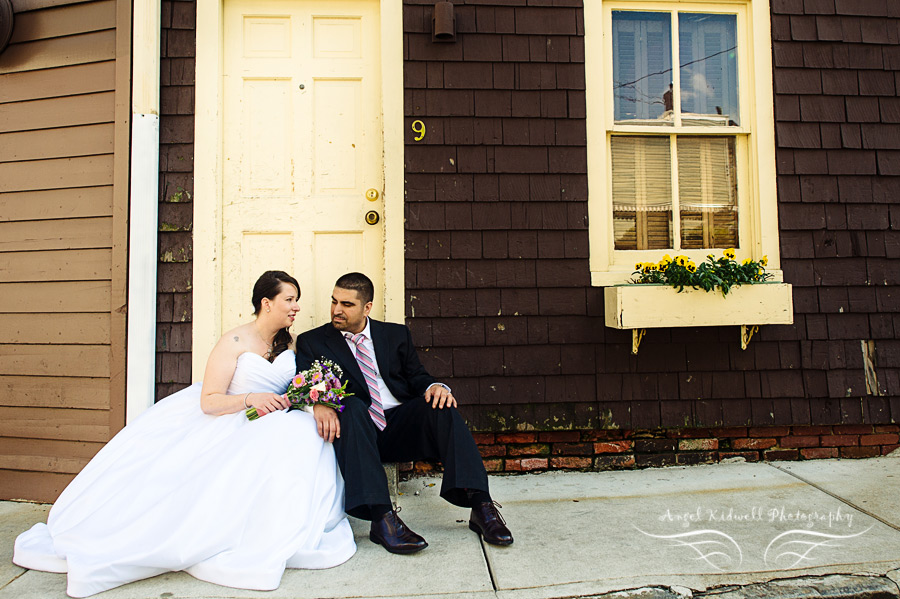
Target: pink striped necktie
367,365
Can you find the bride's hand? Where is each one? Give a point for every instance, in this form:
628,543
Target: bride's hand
267,402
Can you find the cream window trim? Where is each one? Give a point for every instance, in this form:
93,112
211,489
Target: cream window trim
755,138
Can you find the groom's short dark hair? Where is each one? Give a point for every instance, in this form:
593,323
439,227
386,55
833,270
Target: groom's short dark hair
360,283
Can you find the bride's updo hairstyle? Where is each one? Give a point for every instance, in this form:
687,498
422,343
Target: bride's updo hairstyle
268,285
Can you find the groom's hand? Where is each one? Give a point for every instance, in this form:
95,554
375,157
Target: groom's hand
439,397
327,422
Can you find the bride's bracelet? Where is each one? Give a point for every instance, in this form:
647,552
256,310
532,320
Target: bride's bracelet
246,407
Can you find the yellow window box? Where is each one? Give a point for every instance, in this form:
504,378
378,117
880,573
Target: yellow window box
646,306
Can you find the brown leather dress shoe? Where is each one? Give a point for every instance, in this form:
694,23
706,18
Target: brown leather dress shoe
487,521
391,533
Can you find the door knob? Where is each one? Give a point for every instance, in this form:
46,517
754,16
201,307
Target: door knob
372,217
372,194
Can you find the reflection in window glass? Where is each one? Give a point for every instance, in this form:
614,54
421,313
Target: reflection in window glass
708,74
707,192
642,192
642,66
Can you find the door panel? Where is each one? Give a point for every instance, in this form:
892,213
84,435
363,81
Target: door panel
302,144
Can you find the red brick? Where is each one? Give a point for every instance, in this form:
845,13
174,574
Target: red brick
696,457
860,452
572,449
885,439
559,437
750,456
570,462
483,438
769,431
492,450
811,430
887,428
886,449
697,444
839,440
604,435
516,438
424,467
614,462
814,453
757,443
612,447
798,441
654,460
689,433
781,454
526,464
853,429
732,431
654,445
531,449
493,465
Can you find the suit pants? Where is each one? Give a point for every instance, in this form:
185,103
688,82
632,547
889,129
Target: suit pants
414,431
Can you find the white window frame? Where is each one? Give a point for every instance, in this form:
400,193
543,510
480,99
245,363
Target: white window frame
755,138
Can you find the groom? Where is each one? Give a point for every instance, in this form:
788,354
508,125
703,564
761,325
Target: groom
397,413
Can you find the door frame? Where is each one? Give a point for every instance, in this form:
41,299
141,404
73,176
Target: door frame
208,170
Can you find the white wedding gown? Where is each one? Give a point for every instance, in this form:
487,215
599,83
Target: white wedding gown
230,501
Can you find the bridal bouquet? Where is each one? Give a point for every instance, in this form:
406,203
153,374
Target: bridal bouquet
319,384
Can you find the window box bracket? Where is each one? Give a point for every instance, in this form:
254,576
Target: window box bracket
645,306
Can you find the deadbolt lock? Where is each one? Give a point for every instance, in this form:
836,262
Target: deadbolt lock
372,217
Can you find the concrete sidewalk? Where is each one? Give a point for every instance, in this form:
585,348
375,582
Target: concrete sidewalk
824,527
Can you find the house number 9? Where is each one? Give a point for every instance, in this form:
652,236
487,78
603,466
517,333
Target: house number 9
418,127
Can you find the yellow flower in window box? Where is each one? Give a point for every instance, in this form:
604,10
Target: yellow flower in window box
722,273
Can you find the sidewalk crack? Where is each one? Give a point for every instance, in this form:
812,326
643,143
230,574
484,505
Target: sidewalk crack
487,562
15,578
838,497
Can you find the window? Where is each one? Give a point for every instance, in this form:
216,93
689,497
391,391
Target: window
680,132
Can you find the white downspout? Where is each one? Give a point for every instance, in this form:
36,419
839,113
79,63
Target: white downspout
143,209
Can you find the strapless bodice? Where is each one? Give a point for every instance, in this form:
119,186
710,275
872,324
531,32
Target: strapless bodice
256,374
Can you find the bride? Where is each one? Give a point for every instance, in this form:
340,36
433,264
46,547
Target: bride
193,485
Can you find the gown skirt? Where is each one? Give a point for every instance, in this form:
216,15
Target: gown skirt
229,501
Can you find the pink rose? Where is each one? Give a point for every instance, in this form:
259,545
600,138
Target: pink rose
314,394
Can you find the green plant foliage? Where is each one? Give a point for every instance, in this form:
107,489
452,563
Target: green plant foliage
722,272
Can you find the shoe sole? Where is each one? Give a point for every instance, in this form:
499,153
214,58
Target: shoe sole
394,550
474,528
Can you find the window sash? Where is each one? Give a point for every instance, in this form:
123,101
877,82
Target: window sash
683,122
755,144
674,192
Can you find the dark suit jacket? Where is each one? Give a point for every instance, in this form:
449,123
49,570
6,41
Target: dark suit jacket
395,353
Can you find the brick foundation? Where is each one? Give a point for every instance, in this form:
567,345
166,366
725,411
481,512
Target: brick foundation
626,449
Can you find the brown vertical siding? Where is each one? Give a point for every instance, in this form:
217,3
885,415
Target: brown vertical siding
64,112
176,208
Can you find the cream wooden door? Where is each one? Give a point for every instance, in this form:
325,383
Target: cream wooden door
302,137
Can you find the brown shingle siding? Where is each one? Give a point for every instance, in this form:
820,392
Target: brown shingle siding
175,273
